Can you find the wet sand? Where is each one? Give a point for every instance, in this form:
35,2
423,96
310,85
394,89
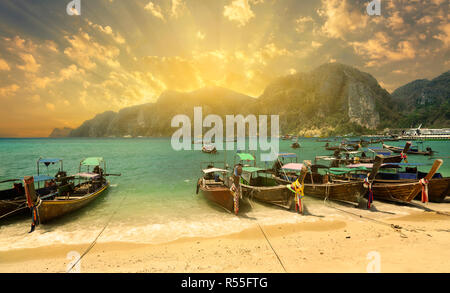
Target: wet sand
418,242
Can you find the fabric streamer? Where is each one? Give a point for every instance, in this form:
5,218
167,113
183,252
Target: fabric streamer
35,218
298,189
424,182
235,192
368,185
404,157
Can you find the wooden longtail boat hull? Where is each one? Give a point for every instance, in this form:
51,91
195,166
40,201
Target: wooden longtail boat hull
13,203
438,188
404,192
220,195
344,162
276,195
341,191
52,209
398,150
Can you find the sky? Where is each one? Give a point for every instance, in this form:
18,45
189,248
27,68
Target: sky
58,70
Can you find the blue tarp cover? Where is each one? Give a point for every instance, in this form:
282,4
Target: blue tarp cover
53,160
41,178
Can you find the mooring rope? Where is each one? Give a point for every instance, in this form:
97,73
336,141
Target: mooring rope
96,238
21,207
276,254
267,239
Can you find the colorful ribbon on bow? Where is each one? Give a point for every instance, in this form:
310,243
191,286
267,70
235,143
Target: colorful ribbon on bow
424,182
235,192
299,191
368,185
404,157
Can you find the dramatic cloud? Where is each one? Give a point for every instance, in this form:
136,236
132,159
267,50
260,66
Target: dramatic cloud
9,90
341,18
4,65
86,51
155,10
30,64
123,53
239,11
302,22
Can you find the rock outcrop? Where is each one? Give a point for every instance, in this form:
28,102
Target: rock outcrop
60,132
425,102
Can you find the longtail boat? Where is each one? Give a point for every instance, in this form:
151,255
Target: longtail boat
295,144
340,158
209,149
438,187
405,190
411,150
215,186
342,147
323,187
70,197
13,200
258,183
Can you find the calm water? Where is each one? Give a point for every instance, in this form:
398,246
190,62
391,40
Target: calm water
154,198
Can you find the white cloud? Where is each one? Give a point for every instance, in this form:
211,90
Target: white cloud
155,10
4,65
239,11
341,18
30,64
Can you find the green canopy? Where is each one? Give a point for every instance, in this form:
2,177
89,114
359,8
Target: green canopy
251,169
341,171
245,157
93,161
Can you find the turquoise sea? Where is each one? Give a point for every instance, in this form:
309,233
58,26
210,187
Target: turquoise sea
154,198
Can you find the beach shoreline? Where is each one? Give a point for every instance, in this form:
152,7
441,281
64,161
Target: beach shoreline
417,243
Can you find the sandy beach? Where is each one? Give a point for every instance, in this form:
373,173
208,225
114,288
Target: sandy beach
418,242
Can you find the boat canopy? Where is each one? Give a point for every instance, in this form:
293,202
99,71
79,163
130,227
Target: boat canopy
380,151
293,166
87,175
361,165
252,169
385,165
212,170
41,178
245,157
326,158
287,155
49,160
341,171
93,161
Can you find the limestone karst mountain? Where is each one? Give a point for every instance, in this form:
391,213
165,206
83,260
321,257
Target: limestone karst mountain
332,99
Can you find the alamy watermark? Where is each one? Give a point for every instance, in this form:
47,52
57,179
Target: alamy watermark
374,7
74,7
74,266
257,132
374,265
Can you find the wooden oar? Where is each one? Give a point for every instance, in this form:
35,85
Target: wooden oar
418,188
